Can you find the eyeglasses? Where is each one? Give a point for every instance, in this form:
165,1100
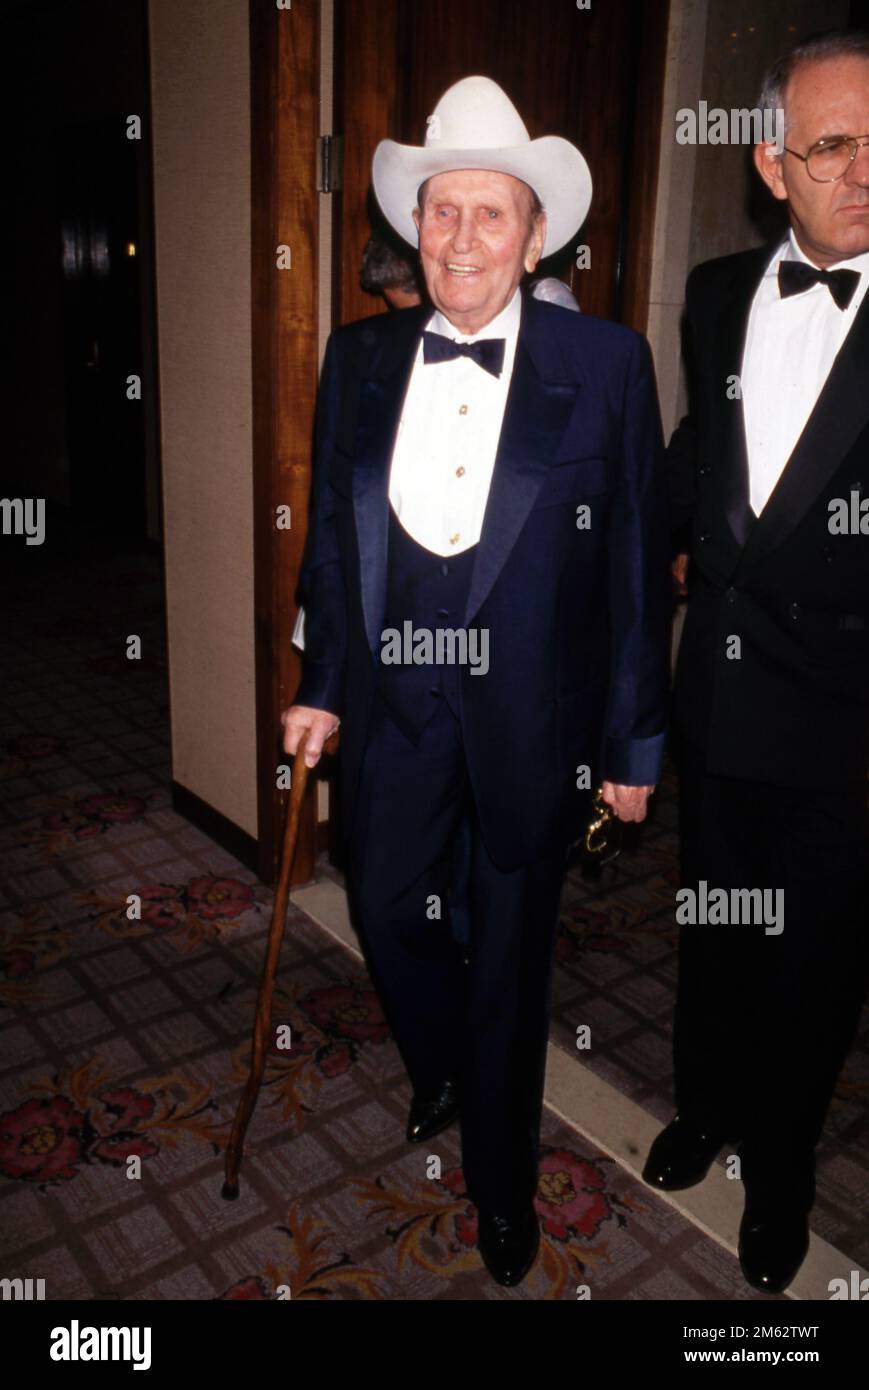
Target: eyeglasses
828,159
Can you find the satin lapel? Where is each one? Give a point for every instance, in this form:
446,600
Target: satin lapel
381,394
727,336
840,414
536,416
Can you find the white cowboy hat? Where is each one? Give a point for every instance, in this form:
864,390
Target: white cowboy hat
476,126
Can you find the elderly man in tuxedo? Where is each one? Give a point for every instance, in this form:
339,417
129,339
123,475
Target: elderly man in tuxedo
771,468
486,472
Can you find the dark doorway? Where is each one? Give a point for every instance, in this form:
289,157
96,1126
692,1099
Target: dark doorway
98,246
80,301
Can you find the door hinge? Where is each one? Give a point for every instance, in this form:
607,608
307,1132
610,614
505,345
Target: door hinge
330,152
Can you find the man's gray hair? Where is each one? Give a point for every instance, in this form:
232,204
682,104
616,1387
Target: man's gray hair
536,208
837,43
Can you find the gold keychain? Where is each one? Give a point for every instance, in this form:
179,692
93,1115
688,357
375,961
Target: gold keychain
597,832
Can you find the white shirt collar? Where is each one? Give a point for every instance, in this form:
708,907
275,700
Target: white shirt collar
503,325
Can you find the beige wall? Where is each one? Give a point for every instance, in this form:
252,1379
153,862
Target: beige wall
200,98
673,215
731,209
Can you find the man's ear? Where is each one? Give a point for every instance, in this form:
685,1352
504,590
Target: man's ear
534,249
770,167
415,216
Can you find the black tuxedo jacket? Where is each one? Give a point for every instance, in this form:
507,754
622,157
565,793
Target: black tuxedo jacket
577,618
793,708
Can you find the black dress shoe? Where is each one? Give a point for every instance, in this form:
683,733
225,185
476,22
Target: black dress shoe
772,1246
509,1245
681,1156
429,1117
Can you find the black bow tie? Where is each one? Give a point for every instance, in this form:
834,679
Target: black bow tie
488,353
795,276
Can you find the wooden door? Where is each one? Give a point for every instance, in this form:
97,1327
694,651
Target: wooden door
594,76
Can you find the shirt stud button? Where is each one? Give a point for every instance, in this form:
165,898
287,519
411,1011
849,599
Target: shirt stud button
463,410
460,472
456,538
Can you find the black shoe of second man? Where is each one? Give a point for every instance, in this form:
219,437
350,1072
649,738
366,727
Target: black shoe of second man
681,1156
772,1246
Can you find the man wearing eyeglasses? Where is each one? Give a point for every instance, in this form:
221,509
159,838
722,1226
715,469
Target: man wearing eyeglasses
771,471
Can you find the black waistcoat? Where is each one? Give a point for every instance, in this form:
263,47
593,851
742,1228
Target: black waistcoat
428,591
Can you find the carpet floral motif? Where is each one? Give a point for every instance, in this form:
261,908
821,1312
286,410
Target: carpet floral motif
76,1117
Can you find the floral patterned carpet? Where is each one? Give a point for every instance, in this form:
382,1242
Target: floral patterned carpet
124,1040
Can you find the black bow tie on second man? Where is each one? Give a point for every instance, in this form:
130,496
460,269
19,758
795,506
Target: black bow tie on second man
795,276
488,353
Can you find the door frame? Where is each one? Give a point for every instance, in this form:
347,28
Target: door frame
285,89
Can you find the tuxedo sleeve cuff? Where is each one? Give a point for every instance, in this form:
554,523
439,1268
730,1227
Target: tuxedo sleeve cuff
633,762
321,687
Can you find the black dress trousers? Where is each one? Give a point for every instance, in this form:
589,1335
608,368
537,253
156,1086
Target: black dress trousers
764,1021
484,1023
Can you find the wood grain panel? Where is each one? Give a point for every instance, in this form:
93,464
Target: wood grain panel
366,94
284,130
643,164
593,76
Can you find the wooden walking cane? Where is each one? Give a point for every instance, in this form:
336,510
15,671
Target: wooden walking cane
235,1148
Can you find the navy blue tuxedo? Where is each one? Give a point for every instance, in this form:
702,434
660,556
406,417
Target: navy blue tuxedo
577,618
437,758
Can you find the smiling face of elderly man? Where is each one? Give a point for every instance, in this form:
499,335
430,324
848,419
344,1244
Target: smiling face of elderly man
477,236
